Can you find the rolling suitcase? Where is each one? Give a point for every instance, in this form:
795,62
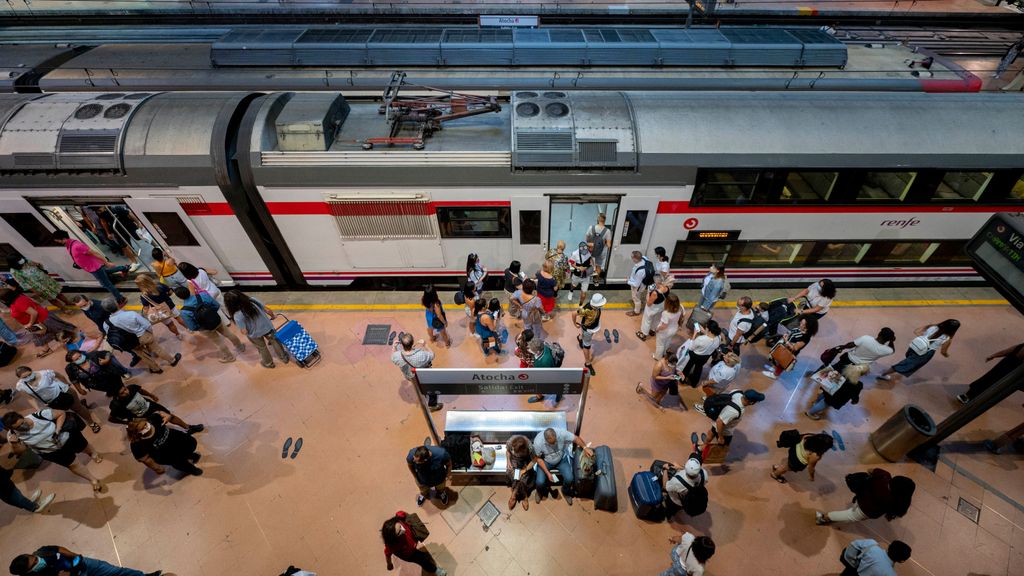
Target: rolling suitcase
698,316
645,496
606,496
298,342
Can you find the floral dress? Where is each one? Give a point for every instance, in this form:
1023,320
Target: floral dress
561,264
33,278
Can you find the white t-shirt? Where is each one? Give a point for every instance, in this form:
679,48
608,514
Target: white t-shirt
670,320
816,299
40,436
729,416
734,324
933,342
661,267
722,374
44,388
703,345
689,566
677,489
204,282
636,276
868,350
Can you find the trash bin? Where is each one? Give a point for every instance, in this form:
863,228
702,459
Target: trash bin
906,430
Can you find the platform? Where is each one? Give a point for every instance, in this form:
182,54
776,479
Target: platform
253,513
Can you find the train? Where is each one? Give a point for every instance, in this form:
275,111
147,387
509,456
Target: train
304,189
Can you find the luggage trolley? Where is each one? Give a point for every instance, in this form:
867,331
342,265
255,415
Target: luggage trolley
298,342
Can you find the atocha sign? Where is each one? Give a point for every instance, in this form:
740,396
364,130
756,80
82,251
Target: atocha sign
475,381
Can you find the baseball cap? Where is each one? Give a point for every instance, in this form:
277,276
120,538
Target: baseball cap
692,468
598,300
753,395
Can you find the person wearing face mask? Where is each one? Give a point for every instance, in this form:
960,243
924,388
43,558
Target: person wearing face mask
95,370
581,266
48,390
599,240
49,433
133,401
93,310
11,452
157,445
59,561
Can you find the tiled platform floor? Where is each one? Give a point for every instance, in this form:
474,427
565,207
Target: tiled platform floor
253,513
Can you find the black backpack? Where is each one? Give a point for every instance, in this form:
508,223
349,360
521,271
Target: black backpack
648,272
121,339
713,405
204,313
695,502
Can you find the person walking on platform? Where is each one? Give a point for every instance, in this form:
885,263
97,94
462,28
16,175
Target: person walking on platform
402,535
695,352
157,304
201,314
581,265
531,306
11,451
729,416
547,289
512,281
640,277
475,274
486,329
599,241
663,376
690,554
588,319
92,262
59,561
721,375
409,357
922,348
679,480
128,330
32,277
437,320
819,297
876,493
431,467
804,453
93,310
847,392
668,325
255,320
741,323
97,370
866,558
864,350
49,433
713,288
133,401
795,341
200,280
1010,359
655,305
662,267
36,319
560,262
156,445
49,391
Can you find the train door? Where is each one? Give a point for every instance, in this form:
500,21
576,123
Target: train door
164,221
529,231
572,217
635,225
27,236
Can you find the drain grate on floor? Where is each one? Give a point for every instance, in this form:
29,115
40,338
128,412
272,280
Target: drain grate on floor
968,510
488,513
376,334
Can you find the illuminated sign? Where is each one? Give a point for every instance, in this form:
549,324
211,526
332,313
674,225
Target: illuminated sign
711,235
998,254
470,381
510,21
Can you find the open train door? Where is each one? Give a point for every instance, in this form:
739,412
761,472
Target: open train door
168,224
634,225
530,231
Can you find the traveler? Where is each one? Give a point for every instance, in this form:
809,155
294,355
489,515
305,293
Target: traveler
713,288
721,375
695,352
520,474
806,452
475,274
93,310
524,351
123,325
876,494
47,389
581,265
794,341
167,270
662,267
36,319
663,376
469,297
641,277
730,415
741,323
679,480
554,453
848,391
407,358
402,535
599,241
531,307
97,370
201,280
157,304
864,350
922,348
560,262
437,320
156,445
513,280
32,277
866,558
200,312
11,451
547,289
431,467
47,432
819,298
254,320
689,555
588,319
668,325
92,262
1011,358
1005,439
59,561
486,329
115,239
653,308
133,401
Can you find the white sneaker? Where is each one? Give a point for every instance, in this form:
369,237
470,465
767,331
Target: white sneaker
35,496
568,297
42,504
133,267
769,373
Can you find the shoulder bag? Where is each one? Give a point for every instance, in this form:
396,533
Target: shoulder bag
72,422
782,356
157,313
920,345
417,527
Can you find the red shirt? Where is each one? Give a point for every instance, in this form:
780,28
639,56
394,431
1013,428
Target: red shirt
21,306
405,548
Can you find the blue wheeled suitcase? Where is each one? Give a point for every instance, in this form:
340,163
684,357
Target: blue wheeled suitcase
645,496
298,342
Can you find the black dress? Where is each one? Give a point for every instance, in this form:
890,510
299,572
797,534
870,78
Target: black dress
167,446
1005,365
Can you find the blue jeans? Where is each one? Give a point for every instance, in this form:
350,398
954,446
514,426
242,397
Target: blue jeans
565,470
677,564
819,405
8,335
94,567
102,275
10,494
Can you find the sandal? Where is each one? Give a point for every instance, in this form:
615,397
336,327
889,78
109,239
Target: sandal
95,428
97,458
512,503
526,503
97,486
641,335
639,388
44,353
778,479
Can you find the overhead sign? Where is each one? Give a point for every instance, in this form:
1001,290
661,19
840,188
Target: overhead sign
483,381
998,254
510,21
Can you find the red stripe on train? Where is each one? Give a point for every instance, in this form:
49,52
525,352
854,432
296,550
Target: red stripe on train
207,209
684,207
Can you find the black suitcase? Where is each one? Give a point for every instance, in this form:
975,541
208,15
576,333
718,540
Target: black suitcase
606,496
7,353
585,484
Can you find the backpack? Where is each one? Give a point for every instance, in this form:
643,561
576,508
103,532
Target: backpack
556,352
460,298
205,313
121,339
648,272
695,502
756,330
713,405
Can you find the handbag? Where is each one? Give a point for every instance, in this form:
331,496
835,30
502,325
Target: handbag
417,527
788,438
920,345
157,313
829,380
782,356
436,323
72,422
828,356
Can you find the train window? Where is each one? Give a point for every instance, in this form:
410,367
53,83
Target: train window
765,254
957,186
29,227
172,228
808,186
459,222
726,186
885,186
839,252
7,252
899,253
699,254
633,228
950,253
1017,192
529,226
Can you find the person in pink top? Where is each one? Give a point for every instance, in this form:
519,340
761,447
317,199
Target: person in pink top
92,262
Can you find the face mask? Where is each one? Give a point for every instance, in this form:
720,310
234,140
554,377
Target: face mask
40,565
147,430
30,377
80,360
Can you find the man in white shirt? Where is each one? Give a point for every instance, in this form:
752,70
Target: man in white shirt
409,357
679,480
864,350
721,374
581,266
637,285
867,558
741,323
148,348
731,414
49,391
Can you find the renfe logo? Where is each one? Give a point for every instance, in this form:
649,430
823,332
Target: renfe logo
900,223
499,377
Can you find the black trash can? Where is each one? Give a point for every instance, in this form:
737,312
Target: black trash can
906,430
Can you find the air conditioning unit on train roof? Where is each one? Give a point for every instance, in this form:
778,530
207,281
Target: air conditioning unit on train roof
554,129
310,121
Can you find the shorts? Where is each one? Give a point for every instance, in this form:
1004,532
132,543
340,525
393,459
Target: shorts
547,303
586,338
63,401
794,463
583,283
65,456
